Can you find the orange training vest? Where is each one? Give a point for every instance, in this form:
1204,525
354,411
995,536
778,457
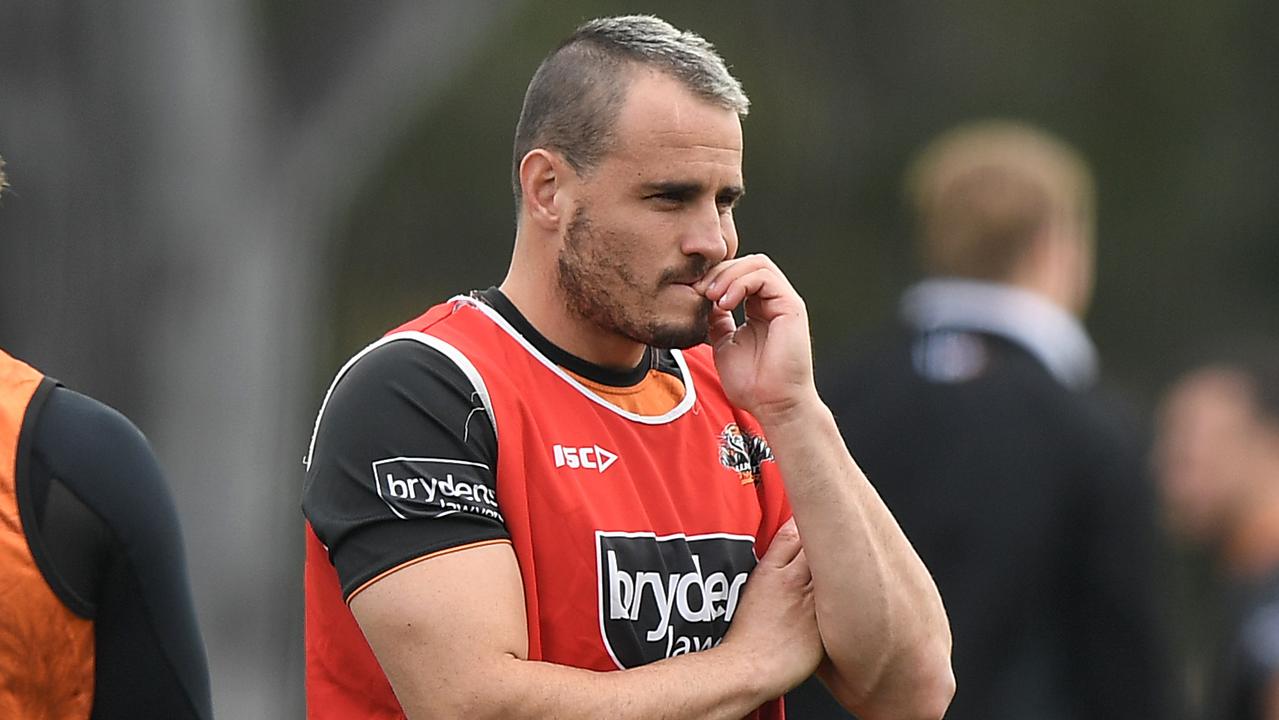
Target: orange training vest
634,535
46,651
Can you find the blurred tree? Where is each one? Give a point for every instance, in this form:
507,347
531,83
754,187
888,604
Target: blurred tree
166,248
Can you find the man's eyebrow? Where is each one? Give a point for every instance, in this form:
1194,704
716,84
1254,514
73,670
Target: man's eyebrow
682,188
673,187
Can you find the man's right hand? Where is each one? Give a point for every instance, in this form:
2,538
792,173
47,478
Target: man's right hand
775,625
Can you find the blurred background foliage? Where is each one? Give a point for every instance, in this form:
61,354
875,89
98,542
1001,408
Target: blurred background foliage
191,239
1175,104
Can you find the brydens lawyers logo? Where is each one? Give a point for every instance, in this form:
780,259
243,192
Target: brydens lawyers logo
435,487
665,596
592,457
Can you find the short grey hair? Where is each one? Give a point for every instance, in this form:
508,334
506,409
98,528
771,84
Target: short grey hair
574,98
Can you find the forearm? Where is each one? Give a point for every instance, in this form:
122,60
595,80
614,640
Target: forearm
713,684
881,617
451,636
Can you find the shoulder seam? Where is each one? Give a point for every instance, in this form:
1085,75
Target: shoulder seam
457,357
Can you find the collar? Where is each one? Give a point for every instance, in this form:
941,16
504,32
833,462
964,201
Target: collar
496,299
1053,336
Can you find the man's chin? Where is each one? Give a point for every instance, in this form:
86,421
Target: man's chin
685,325
680,337
677,342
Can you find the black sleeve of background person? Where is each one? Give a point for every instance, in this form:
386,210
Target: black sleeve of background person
403,399
149,656
1120,644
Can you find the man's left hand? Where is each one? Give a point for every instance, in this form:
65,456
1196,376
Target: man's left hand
766,364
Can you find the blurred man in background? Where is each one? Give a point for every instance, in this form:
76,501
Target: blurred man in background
977,421
1217,460
96,616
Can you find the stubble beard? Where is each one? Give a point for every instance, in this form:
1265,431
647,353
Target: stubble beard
599,286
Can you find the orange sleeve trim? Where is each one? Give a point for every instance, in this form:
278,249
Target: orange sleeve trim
423,558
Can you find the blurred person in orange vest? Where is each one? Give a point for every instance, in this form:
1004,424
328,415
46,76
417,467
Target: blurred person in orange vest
96,617
1217,460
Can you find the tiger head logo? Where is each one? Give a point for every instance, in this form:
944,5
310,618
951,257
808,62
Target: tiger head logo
743,452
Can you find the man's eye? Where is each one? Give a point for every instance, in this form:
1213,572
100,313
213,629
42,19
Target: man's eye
667,199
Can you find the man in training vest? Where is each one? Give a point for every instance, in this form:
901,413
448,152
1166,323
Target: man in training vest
571,495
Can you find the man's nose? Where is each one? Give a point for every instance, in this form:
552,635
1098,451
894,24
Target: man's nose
707,235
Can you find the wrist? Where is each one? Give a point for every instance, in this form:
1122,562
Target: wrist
803,409
751,674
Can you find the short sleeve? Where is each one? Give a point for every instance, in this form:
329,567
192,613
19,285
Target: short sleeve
402,463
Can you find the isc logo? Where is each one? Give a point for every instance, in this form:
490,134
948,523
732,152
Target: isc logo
592,457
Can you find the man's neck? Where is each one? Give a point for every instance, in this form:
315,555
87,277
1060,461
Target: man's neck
1252,546
545,309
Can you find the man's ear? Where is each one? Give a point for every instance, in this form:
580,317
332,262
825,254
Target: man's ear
1058,266
544,181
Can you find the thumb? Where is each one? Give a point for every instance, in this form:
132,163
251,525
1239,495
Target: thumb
721,327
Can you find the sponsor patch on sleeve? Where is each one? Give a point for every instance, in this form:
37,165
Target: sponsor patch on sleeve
415,487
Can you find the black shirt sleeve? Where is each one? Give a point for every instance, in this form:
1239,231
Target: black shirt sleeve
403,463
109,544
1116,634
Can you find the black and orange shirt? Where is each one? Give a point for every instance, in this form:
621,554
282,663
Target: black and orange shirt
96,616
636,502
